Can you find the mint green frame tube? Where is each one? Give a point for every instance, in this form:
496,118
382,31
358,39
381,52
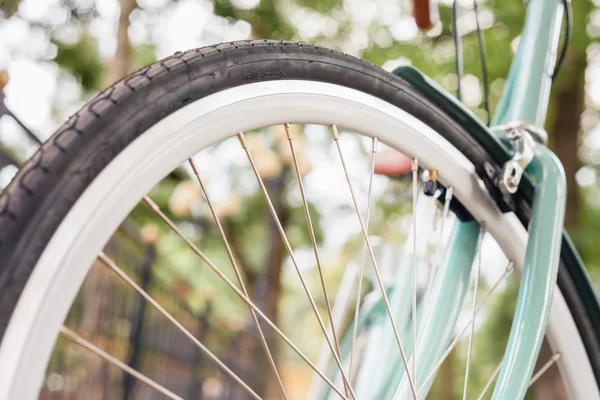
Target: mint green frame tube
441,311
382,356
526,99
527,90
538,279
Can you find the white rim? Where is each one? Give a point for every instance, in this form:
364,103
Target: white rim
60,271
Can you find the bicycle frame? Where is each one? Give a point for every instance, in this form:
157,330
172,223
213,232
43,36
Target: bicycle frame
525,99
527,89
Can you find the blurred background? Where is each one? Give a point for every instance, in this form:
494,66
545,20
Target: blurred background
56,55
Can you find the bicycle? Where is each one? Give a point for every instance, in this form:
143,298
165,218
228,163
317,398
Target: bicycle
65,203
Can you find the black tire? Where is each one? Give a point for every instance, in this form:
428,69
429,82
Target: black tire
45,189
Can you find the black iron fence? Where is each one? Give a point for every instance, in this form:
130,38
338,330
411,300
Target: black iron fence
115,318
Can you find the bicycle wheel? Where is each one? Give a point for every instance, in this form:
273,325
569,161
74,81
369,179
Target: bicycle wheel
64,205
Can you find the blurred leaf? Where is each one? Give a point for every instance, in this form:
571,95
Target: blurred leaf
321,6
268,19
143,55
82,60
9,7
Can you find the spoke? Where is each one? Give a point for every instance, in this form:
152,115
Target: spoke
415,173
313,238
362,257
75,338
452,345
238,276
489,381
535,377
110,263
293,259
375,267
438,246
154,207
474,314
545,368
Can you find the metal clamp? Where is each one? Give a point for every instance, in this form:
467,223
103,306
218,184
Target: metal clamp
538,134
523,142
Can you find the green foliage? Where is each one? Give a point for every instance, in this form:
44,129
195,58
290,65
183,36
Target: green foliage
586,234
298,219
494,333
267,19
321,6
143,55
82,60
251,224
9,7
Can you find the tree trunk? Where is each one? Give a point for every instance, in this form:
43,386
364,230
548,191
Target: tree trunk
443,386
121,63
268,285
137,323
95,326
564,134
277,252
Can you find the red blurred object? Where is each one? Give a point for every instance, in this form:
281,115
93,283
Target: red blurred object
391,163
425,13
